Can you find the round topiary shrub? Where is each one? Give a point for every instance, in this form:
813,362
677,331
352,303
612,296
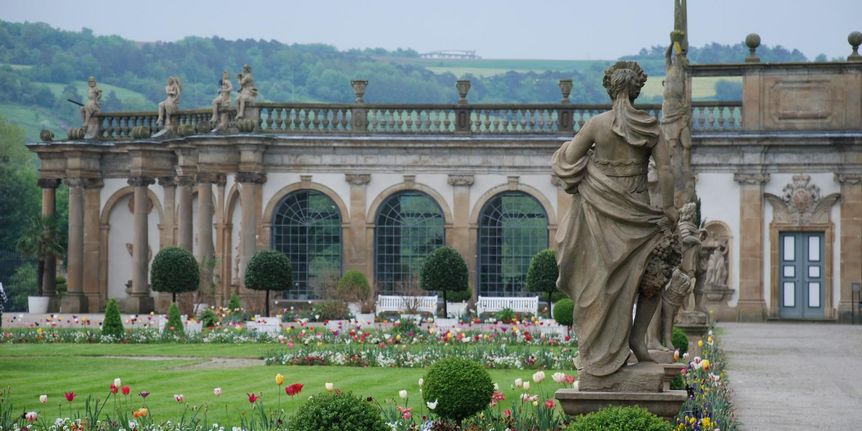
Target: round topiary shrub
542,274
113,323
353,286
620,419
680,341
269,270
338,411
564,312
174,270
444,270
460,387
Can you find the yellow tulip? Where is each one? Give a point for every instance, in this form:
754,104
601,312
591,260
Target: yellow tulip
279,379
699,343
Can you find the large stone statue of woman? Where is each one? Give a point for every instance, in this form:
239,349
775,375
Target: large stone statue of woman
612,242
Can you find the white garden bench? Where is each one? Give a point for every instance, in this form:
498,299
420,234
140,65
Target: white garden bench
493,304
405,303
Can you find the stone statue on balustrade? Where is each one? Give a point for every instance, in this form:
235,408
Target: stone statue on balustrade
221,103
615,249
94,101
247,91
171,104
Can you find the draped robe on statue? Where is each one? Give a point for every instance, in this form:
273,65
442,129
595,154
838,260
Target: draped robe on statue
605,240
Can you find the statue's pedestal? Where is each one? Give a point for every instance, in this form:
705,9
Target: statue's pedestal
663,404
660,356
645,385
695,332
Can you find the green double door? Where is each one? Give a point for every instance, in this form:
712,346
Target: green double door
801,274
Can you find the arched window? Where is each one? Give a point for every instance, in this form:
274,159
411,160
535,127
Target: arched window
513,227
306,227
410,225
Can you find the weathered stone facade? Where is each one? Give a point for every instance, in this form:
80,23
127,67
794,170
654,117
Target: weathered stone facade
218,192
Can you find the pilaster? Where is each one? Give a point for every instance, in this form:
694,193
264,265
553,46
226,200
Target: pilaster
139,300
92,242
851,240
357,249
751,306
74,300
460,239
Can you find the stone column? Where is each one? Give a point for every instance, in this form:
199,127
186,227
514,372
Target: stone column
851,241
185,236
222,280
205,226
74,300
751,306
49,208
356,247
460,238
139,300
92,243
168,222
249,182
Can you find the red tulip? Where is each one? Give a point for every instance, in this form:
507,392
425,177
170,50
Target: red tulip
70,396
144,394
293,389
126,389
114,388
253,397
549,404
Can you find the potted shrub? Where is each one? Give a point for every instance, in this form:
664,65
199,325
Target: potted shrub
269,270
542,275
444,270
40,241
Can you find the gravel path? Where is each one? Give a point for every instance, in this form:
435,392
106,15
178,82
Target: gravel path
795,376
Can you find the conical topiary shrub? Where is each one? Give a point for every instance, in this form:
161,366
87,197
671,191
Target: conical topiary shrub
113,323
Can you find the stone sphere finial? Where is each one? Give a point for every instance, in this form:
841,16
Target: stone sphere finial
752,41
855,39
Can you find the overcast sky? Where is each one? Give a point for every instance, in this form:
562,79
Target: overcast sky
547,29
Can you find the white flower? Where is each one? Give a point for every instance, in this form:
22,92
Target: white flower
43,398
118,382
402,394
421,381
132,425
217,392
575,385
558,377
431,405
58,422
329,386
539,376
496,387
519,382
527,385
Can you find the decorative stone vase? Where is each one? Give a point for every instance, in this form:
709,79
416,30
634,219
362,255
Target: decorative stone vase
185,130
46,135
463,86
855,39
246,125
38,304
565,89
359,89
752,41
204,126
76,133
140,132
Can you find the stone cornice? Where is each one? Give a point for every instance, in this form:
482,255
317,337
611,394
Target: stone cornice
48,183
141,181
205,177
168,181
461,180
250,177
185,180
357,179
848,178
751,178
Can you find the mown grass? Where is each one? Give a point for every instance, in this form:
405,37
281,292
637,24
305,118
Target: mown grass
128,97
32,369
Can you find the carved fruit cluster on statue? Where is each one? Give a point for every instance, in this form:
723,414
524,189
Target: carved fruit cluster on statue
665,257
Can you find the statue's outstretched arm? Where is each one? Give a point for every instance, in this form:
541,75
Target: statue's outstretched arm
665,177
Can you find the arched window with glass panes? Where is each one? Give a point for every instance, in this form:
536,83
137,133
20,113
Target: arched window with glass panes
409,226
306,227
513,227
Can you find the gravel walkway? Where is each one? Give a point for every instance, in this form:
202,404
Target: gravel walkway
795,376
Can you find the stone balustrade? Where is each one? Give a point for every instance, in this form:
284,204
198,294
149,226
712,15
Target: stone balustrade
424,119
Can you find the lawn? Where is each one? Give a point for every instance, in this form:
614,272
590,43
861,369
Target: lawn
167,369
128,97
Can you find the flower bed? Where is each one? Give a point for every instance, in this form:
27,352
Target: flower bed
705,379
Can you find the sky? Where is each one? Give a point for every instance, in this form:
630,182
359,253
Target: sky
538,29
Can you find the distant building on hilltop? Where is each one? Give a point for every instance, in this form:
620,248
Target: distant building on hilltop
451,54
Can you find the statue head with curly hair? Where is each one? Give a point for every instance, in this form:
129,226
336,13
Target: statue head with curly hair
624,77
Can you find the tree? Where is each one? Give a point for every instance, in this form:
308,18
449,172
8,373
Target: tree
444,270
174,270
40,241
269,270
542,274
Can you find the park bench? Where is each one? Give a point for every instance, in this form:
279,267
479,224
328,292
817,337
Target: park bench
402,304
492,304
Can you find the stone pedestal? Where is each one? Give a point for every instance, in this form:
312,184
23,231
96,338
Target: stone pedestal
73,303
695,333
663,404
641,377
138,304
661,357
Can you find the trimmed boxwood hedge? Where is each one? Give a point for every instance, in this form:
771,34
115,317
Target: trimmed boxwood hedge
444,270
269,270
620,419
174,270
338,411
